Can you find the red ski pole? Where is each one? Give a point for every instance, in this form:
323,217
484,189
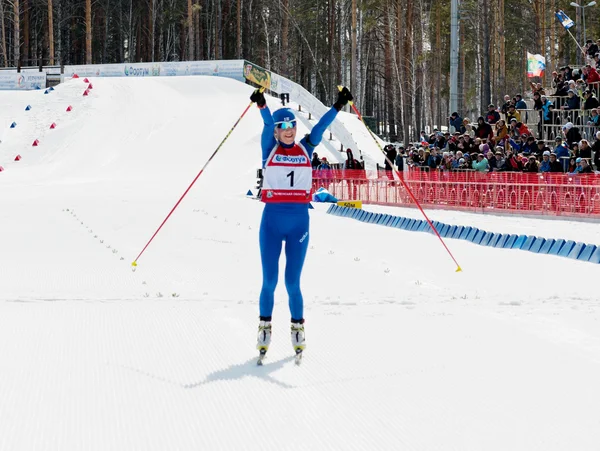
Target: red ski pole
408,190
134,264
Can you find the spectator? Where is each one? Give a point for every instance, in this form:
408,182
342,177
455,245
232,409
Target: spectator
390,153
547,108
545,164
492,116
484,130
500,160
541,148
572,165
434,159
594,119
456,122
400,159
481,164
513,113
520,105
537,101
562,153
501,132
585,167
590,100
504,108
572,101
351,163
324,164
571,133
590,74
530,147
555,165
492,161
469,130
531,165
315,160
512,163
590,48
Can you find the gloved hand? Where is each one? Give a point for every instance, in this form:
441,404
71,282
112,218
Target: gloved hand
344,96
258,98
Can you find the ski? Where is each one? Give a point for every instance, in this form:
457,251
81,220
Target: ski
298,357
261,357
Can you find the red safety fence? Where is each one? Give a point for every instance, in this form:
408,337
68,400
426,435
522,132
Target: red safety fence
511,192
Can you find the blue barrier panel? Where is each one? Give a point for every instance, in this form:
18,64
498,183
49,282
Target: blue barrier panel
395,222
361,214
380,218
465,232
451,231
528,242
401,223
587,252
331,210
576,250
408,224
348,212
391,220
415,225
485,241
444,230
424,227
438,226
566,249
458,231
595,258
519,242
374,218
494,239
508,244
479,236
556,247
384,219
357,213
537,244
499,240
547,246
472,233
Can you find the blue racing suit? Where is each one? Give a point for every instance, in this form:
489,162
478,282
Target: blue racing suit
287,222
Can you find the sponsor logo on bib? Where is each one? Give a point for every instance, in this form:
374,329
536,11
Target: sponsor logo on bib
298,159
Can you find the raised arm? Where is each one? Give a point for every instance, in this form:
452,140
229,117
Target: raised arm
267,139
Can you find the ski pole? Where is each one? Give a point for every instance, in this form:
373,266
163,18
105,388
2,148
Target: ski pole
134,264
458,268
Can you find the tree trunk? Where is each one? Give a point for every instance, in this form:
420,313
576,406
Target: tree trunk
438,65
50,33
17,33
26,54
239,28
3,35
552,66
88,31
389,127
190,27
406,65
285,29
502,43
353,49
486,93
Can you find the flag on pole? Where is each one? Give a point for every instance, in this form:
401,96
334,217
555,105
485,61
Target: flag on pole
564,19
536,64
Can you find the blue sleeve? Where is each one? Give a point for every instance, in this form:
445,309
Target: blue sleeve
316,135
267,138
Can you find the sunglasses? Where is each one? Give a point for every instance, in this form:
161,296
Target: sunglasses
285,124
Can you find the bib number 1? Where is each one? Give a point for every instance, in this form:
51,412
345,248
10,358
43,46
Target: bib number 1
291,177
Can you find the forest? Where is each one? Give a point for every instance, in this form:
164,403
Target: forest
393,54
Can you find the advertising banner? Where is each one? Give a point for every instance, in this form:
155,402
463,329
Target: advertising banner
13,80
257,74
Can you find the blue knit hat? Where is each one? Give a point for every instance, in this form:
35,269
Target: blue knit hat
284,115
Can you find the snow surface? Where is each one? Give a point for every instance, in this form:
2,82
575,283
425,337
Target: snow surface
403,353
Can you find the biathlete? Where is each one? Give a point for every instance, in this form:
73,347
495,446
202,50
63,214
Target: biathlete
286,192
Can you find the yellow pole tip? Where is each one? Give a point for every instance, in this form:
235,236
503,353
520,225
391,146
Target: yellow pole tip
134,264
340,87
459,269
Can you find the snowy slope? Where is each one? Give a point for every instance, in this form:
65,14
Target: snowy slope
402,353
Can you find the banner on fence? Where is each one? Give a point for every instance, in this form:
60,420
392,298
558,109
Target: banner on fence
222,68
27,80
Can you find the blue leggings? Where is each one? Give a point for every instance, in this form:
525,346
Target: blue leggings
292,227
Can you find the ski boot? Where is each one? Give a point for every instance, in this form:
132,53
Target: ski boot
264,339
298,341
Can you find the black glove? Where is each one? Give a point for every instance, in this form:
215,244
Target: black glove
344,96
258,97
